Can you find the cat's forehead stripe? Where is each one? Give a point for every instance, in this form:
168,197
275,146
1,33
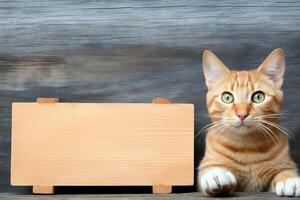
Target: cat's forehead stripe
241,79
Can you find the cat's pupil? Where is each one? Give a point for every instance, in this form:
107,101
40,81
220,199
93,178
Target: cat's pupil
258,97
227,97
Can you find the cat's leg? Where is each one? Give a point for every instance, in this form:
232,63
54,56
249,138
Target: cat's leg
216,181
286,183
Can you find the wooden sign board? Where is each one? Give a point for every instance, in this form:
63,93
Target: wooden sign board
102,144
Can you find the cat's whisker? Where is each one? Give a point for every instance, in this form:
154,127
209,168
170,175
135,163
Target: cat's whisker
266,133
207,127
220,117
222,124
209,124
222,131
271,116
220,127
259,129
275,125
280,128
216,116
216,132
269,132
213,124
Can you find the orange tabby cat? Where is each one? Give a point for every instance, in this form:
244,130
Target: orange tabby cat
246,149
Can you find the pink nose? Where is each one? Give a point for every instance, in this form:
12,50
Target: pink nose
242,116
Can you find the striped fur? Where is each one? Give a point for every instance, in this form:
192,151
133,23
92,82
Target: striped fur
257,158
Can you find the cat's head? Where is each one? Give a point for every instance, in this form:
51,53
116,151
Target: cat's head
243,101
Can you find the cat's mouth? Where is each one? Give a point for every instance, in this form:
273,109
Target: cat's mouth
242,125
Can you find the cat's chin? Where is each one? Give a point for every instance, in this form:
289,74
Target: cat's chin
242,129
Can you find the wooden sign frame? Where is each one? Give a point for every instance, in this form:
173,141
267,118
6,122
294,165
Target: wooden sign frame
94,144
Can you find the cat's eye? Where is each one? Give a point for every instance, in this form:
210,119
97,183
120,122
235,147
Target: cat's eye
227,97
258,97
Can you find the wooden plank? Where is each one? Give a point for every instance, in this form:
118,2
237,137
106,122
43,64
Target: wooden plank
47,100
190,23
38,189
102,144
189,196
161,100
162,189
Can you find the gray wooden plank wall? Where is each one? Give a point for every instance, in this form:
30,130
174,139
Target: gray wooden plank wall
132,51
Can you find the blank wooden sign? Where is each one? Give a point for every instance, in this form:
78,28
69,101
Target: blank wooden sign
102,144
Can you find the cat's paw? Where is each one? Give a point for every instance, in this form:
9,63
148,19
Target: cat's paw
289,187
217,181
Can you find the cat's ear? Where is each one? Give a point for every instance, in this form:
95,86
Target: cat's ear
213,68
273,67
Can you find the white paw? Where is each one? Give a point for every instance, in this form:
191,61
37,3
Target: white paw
290,187
217,181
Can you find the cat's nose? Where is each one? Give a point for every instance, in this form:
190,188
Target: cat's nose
242,116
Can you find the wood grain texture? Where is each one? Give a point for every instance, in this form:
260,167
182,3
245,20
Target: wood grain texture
132,51
161,189
47,100
161,100
39,189
187,196
73,144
